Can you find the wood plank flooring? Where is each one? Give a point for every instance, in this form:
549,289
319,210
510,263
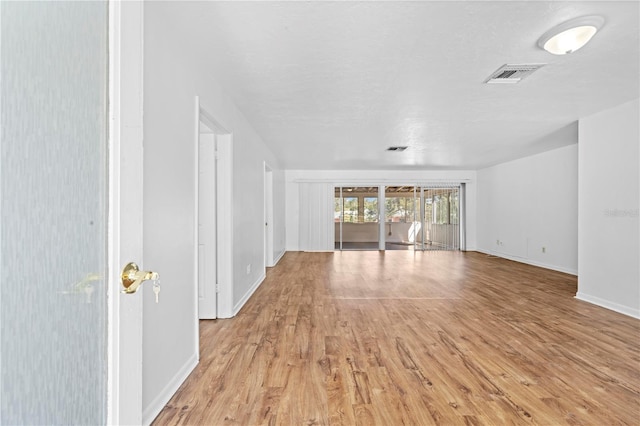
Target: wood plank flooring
404,338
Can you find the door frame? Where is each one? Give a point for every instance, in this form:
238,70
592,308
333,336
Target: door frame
224,211
268,216
204,132
382,225
125,211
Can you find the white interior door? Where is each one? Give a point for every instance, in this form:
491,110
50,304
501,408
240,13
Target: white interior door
207,224
53,263
70,212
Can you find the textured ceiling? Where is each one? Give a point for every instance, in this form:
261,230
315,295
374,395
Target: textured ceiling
330,85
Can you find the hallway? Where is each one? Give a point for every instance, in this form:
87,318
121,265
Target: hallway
403,337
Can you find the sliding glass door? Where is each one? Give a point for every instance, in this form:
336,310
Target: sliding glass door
402,217
441,218
415,217
422,217
356,216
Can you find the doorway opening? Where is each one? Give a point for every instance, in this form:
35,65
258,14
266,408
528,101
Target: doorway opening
213,222
207,223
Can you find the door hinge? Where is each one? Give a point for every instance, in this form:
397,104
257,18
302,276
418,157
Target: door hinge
217,288
217,155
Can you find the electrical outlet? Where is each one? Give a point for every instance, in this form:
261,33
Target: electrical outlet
248,269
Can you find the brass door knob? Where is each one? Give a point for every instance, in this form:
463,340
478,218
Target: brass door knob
132,277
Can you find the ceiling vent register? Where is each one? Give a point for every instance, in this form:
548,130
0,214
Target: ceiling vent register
397,148
511,74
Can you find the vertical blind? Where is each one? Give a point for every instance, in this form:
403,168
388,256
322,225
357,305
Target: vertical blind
316,217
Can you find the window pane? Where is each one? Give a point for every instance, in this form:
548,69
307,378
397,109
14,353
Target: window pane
370,209
351,209
453,214
399,209
337,209
409,208
391,209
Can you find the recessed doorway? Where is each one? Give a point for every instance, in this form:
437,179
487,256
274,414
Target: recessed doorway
213,242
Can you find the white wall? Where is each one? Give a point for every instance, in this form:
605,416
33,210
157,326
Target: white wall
609,235
531,203
173,77
361,232
369,178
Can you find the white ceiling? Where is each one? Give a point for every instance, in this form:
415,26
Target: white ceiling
331,85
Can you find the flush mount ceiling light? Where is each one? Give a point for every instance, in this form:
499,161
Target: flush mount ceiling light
571,35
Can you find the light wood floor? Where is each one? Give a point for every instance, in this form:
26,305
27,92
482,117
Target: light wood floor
397,337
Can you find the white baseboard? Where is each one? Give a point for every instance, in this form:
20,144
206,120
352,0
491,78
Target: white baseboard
529,262
278,257
626,310
153,409
247,295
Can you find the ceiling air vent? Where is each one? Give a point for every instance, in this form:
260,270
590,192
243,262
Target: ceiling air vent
397,148
510,74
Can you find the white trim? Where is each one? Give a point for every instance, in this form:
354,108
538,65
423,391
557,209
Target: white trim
211,122
264,215
278,257
528,262
607,304
158,403
268,236
248,294
125,238
382,222
196,236
113,227
224,170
